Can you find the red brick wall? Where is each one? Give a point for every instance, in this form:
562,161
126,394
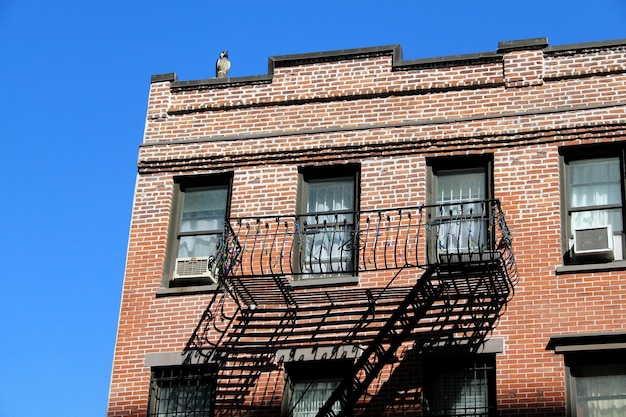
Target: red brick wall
520,105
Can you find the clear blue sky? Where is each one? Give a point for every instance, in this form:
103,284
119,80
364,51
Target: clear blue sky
75,78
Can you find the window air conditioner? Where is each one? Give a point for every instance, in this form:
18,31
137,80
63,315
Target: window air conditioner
594,243
196,267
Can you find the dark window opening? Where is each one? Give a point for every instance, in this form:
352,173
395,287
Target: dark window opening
310,384
182,391
461,386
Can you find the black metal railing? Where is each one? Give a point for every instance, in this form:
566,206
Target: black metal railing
350,242
470,272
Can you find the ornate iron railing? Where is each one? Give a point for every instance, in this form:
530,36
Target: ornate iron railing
347,242
470,272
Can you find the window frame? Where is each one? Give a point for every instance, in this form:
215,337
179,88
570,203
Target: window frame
581,153
181,185
324,173
436,165
200,375
585,361
440,364
310,372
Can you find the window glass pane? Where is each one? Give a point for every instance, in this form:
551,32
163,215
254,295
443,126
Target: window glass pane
330,195
464,230
459,185
329,249
595,218
461,393
203,245
595,182
462,235
188,401
179,392
311,396
600,392
327,243
204,209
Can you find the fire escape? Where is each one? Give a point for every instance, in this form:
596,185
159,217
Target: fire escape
451,272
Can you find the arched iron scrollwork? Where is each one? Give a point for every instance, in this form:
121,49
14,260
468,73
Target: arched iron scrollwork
353,241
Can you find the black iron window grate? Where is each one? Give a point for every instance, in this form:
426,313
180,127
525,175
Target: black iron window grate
181,392
311,396
463,392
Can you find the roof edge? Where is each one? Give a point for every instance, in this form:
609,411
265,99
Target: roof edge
397,60
522,44
587,45
335,55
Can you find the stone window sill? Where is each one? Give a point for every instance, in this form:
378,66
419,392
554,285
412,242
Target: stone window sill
599,267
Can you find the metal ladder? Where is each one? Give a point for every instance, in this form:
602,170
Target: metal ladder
384,346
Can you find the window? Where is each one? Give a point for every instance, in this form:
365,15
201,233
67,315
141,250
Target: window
461,386
309,396
181,391
593,204
328,208
596,384
459,188
310,384
197,228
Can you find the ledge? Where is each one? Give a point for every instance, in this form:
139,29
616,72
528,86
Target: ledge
331,56
450,61
190,290
210,83
299,284
587,342
602,267
325,281
586,45
315,353
192,357
161,78
495,345
524,44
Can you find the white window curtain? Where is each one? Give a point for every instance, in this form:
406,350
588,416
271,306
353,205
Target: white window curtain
329,237
330,196
601,396
594,184
455,188
311,396
460,185
204,210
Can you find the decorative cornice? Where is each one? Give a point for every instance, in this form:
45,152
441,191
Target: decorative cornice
426,146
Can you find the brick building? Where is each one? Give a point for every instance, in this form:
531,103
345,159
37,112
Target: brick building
358,234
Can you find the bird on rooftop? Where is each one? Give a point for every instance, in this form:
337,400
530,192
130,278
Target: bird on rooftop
222,65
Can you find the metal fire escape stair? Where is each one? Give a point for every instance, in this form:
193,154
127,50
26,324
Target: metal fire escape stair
239,366
384,346
453,302
239,369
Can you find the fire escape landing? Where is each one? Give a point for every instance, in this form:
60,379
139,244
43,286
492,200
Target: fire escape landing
452,272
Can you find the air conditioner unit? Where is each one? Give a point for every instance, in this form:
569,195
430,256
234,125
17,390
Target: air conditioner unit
594,243
196,267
